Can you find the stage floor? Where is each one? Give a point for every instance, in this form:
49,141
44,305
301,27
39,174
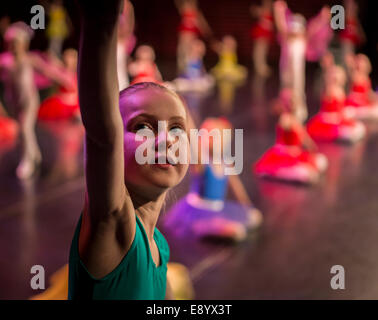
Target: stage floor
306,231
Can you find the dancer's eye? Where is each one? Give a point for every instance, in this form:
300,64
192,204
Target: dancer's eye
142,126
176,129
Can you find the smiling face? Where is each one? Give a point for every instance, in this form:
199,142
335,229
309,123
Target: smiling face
143,109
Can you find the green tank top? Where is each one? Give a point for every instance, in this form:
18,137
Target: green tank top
136,277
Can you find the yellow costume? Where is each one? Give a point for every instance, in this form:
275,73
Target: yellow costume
178,277
57,27
228,67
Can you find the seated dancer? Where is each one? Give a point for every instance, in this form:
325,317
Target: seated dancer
194,78
262,34
117,252
332,123
64,104
293,158
205,212
144,68
228,68
362,101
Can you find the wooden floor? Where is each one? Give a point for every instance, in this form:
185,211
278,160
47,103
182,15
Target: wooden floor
307,230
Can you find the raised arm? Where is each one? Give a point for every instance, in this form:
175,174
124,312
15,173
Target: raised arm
279,10
52,70
107,201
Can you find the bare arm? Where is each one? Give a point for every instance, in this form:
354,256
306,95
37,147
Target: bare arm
204,26
109,210
279,10
53,70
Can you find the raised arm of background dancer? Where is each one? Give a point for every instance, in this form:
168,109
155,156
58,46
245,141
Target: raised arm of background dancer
99,106
238,190
318,24
52,70
216,45
204,26
279,10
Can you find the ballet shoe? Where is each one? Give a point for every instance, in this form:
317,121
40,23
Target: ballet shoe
27,168
254,219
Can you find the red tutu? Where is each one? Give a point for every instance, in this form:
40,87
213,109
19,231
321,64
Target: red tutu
8,130
189,22
331,124
333,127
287,160
56,108
148,74
359,95
350,33
263,29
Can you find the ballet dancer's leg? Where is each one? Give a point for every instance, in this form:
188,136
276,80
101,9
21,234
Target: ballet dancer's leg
259,56
31,155
298,66
184,44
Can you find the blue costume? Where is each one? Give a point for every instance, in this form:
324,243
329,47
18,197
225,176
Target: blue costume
194,70
205,202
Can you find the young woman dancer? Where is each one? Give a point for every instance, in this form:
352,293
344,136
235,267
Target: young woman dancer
205,212
58,27
193,25
353,35
332,123
117,252
227,67
17,66
194,77
262,34
362,101
294,39
64,104
144,68
294,157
